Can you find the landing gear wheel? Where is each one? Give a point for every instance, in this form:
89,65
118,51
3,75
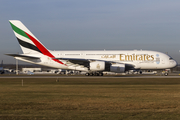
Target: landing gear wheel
96,74
100,74
91,74
166,74
87,74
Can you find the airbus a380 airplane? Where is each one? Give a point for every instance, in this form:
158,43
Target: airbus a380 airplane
92,62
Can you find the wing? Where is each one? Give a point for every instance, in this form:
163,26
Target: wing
85,62
82,62
23,56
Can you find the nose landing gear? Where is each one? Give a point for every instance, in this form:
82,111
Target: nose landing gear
165,73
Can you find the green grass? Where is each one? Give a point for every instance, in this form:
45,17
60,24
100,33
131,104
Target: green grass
90,98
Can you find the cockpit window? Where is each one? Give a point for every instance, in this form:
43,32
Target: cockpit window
170,58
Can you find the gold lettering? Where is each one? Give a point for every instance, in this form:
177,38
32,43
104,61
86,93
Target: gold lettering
137,57
125,57
144,57
148,57
152,56
129,57
108,56
121,55
134,57
141,58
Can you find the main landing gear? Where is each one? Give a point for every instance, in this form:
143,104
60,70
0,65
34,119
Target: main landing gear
94,74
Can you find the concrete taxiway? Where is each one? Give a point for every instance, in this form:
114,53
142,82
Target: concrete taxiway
72,76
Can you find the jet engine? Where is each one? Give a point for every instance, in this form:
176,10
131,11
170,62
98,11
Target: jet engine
97,66
106,66
117,68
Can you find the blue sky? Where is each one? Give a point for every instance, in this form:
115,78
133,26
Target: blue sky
94,25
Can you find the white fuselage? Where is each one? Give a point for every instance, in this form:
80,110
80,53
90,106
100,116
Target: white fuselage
93,62
140,59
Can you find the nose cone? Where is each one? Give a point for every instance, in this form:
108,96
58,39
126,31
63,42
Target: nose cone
176,64
173,63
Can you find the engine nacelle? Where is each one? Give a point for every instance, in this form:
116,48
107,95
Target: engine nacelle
117,68
103,66
97,66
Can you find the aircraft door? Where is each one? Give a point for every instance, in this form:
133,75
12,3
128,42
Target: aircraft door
163,60
61,54
82,54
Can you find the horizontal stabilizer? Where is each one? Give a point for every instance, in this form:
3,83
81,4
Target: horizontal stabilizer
22,56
